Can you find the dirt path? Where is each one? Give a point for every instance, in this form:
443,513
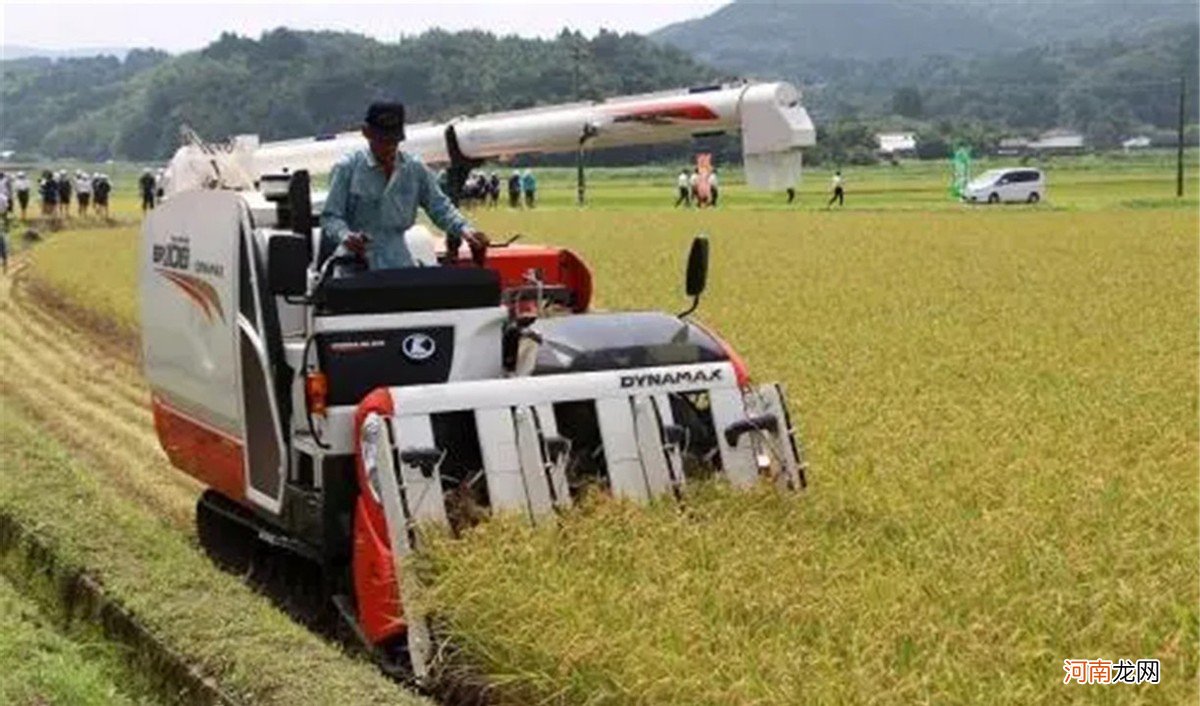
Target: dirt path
88,396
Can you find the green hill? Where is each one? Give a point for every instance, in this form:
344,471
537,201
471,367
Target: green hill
1026,65
756,36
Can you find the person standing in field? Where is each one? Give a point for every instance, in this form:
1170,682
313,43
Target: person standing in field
514,190
48,191
4,248
146,184
694,186
713,191
64,194
83,191
682,183
21,186
494,190
839,192
529,187
101,187
5,203
6,187
791,194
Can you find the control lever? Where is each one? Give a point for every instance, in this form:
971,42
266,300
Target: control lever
424,459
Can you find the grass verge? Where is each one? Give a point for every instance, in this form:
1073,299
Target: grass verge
39,665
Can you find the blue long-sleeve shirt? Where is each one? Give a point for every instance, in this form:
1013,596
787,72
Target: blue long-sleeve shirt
362,199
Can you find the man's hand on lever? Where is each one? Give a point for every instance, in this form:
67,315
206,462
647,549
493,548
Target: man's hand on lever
476,240
356,243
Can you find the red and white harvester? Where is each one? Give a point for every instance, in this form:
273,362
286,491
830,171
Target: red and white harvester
329,417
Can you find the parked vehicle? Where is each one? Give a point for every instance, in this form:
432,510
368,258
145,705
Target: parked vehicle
1007,185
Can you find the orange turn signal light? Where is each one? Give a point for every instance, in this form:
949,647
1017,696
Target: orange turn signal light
316,392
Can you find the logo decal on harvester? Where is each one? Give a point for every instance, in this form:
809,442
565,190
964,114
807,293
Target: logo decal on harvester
172,259
683,376
418,346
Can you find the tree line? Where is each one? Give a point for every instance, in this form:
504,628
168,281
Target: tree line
289,84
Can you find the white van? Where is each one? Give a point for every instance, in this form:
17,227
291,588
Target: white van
1008,185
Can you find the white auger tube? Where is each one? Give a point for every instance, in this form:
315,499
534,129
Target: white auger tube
772,122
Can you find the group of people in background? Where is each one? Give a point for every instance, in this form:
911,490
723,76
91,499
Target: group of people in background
90,190
697,188
482,189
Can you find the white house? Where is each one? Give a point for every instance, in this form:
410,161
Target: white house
1010,146
1140,142
893,143
1058,141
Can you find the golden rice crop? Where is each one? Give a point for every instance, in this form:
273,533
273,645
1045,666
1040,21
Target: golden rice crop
999,408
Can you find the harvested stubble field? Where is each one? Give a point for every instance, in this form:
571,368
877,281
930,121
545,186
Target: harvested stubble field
999,408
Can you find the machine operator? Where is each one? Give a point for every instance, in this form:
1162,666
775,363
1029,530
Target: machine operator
374,195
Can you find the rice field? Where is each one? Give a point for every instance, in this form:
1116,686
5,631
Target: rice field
999,407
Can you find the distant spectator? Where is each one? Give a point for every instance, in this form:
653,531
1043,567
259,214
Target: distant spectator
21,187
839,192
514,190
64,194
4,248
48,190
791,194
5,202
683,183
713,192
160,184
6,186
529,187
101,187
694,186
83,191
146,186
494,189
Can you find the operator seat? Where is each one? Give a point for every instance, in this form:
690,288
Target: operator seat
409,289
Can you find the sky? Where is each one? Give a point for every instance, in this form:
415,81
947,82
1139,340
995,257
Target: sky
182,26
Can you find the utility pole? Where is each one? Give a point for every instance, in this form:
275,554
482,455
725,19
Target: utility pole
1179,146
580,187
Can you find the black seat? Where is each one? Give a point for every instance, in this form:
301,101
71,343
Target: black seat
410,289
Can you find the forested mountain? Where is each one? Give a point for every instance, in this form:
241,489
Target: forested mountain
954,71
759,35
291,84
1025,65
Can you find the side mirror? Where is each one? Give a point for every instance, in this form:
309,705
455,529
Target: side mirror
287,265
697,267
299,196
697,272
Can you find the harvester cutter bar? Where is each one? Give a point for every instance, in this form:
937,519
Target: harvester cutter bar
525,459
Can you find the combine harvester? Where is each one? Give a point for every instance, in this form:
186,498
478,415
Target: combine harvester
329,417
